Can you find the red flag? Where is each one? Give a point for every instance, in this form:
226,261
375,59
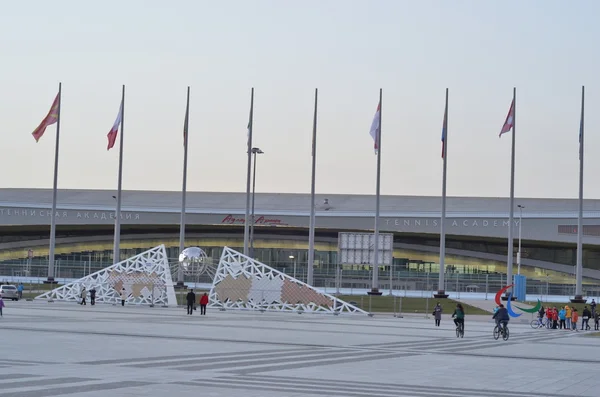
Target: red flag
375,129
51,118
112,134
510,119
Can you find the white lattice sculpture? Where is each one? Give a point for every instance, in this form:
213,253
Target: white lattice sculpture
242,283
146,279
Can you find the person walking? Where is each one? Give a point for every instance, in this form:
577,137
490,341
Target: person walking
1,306
203,304
20,289
437,314
549,317
597,321
562,317
585,318
574,318
568,315
123,296
191,299
93,296
83,295
593,306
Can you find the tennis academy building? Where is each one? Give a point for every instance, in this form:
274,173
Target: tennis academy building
476,241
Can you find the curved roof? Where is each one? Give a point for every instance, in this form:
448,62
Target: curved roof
338,204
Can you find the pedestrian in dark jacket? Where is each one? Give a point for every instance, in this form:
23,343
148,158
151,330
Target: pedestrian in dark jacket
191,299
501,316
597,321
585,318
93,296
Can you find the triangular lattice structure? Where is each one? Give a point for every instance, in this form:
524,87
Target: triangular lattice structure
145,278
243,283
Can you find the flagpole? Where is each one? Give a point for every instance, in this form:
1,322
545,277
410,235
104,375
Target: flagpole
54,194
116,247
441,282
311,232
375,284
248,174
579,268
509,259
184,187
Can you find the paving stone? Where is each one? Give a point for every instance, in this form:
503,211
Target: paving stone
59,349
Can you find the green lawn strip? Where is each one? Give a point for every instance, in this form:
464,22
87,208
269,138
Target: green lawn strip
385,304
378,304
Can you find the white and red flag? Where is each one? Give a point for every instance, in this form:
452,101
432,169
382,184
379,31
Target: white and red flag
51,118
112,134
509,123
376,128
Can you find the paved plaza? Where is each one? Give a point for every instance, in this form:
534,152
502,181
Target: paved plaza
60,349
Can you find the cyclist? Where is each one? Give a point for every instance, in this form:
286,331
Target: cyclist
501,317
459,313
541,313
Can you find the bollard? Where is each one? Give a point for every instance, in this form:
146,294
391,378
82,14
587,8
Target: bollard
400,308
486,286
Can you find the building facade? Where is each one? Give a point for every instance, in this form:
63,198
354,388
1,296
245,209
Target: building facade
476,228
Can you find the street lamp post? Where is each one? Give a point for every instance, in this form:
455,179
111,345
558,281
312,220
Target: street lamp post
292,257
255,151
519,250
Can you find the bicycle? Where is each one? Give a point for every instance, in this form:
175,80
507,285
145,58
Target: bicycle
500,330
537,323
460,330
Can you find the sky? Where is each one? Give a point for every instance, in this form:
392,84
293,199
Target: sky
348,49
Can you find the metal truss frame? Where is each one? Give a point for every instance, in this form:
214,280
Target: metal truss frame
146,279
262,289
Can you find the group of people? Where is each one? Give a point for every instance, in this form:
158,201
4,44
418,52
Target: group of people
567,317
191,302
84,296
500,315
92,292
458,315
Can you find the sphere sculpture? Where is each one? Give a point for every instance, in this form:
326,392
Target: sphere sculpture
193,261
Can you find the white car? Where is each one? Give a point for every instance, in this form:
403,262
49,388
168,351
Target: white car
9,292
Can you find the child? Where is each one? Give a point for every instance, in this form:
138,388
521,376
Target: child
1,306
